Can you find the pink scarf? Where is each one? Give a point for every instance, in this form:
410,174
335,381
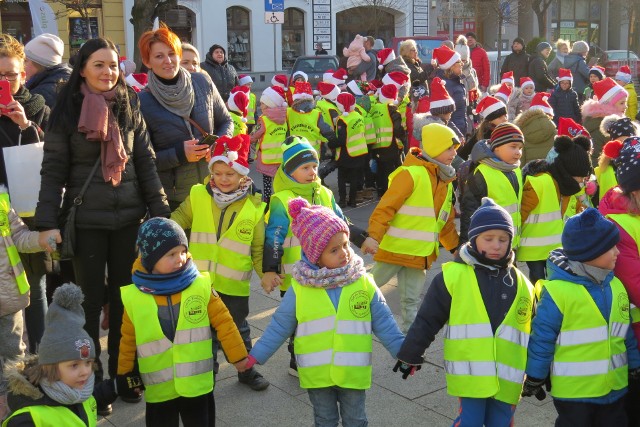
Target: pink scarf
99,124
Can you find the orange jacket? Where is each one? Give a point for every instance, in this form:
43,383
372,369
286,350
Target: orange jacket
399,191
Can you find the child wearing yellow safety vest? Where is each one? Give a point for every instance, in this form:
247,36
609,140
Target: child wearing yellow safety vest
549,198
245,81
414,217
14,287
238,106
484,303
268,135
615,128
581,336
57,387
169,311
495,173
621,205
333,306
350,148
226,218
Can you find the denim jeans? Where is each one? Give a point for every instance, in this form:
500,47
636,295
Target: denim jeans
537,270
326,412
487,412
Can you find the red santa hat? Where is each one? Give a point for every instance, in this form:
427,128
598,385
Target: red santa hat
439,95
508,78
564,74
375,84
568,127
385,56
337,77
598,71
273,96
239,102
539,102
137,81
346,102
624,74
387,94
299,73
503,93
397,78
445,57
244,79
327,75
234,151
328,91
279,80
244,89
526,81
488,105
302,91
607,89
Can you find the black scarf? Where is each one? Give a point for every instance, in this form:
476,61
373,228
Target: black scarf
32,104
567,185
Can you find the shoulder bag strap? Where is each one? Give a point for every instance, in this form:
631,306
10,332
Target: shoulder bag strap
197,126
78,200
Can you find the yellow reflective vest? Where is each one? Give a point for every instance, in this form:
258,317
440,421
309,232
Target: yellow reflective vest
479,363
415,228
227,258
499,188
291,246
239,127
369,129
183,367
251,110
356,141
333,347
12,251
606,180
591,356
271,141
306,125
325,107
383,125
44,416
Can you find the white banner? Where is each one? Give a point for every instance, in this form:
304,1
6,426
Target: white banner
44,20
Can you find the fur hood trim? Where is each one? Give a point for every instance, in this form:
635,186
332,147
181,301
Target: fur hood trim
529,115
420,121
592,108
534,167
19,385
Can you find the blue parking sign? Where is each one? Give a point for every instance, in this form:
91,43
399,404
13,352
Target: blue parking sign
274,5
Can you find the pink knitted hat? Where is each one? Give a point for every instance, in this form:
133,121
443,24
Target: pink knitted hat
314,226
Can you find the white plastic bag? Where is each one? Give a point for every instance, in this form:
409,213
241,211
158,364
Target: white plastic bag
23,163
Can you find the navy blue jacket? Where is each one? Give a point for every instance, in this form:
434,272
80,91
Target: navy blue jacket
565,104
458,93
48,82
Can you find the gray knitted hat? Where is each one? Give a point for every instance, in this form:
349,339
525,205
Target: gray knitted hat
64,337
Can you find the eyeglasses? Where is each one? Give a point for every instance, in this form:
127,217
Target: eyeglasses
11,77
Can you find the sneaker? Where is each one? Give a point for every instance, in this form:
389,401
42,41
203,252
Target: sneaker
253,379
293,368
105,410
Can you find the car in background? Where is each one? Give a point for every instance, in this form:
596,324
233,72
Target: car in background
314,66
612,60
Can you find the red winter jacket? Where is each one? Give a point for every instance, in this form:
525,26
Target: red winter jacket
480,62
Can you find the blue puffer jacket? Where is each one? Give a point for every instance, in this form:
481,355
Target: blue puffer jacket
48,81
168,133
548,320
565,104
458,93
283,324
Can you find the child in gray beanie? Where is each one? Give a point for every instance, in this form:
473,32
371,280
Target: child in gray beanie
58,383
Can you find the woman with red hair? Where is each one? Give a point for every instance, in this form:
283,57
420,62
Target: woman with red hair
179,108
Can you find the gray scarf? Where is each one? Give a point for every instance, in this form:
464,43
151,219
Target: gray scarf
595,274
178,98
445,172
482,153
62,393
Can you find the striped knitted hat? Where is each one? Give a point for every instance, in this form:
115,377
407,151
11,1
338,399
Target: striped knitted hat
314,226
505,133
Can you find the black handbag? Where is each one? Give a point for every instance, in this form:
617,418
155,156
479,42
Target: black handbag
66,249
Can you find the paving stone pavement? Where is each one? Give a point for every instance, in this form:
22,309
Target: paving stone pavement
391,401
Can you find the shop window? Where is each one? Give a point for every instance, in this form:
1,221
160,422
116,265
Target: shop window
16,21
182,22
292,36
79,32
238,38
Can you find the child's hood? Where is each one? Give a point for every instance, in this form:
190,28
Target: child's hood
614,202
276,114
356,44
21,392
481,151
526,117
593,108
420,120
284,182
303,105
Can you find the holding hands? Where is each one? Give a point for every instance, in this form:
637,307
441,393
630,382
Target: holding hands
370,246
270,281
49,239
406,369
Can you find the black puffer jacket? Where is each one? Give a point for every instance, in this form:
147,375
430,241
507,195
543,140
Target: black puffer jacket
224,76
565,104
68,160
518,62
540,75
48,82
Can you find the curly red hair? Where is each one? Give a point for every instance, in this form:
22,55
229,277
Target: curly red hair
161,35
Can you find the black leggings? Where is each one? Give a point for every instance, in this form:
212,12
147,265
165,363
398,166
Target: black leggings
95,250
197,411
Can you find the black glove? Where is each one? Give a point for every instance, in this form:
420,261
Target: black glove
634,376
129,385
105,392
406,369
533,387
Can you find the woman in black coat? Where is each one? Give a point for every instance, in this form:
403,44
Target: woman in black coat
538,68
123,191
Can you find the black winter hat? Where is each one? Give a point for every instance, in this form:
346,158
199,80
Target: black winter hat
156,237
519,40
573,155
627,162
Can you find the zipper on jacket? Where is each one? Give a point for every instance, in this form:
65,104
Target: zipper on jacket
174,325
220,224
233,217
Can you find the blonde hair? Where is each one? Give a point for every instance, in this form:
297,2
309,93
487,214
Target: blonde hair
406,46
12,48
563,42
190,48
50,372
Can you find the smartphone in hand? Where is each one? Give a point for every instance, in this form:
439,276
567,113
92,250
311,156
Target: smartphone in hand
208,140
5,95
